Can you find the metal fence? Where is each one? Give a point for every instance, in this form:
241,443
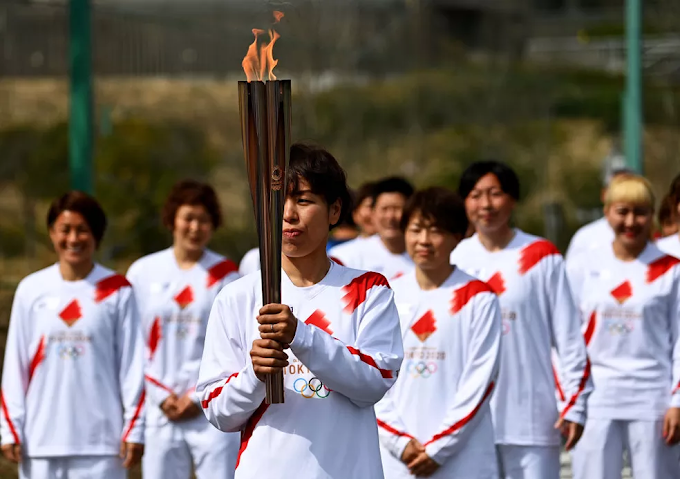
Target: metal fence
207,39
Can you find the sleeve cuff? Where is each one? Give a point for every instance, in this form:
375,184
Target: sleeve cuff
302,337
433,451
578,417
136,437
251,380
675,400
399,446
161,397
9,439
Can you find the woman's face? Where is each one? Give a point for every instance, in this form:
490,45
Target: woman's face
306,221
428,245
488,207
363,217
193,228
72,239
631,223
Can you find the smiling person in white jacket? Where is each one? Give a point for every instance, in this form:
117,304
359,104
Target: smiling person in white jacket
538,314
629,295
73,380
436,420
336,337
175,289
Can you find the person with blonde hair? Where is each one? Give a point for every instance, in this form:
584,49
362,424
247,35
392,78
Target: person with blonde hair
627,292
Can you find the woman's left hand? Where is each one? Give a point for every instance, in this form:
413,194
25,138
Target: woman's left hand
671,426
131,454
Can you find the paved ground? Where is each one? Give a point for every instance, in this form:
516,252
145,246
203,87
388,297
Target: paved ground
566,468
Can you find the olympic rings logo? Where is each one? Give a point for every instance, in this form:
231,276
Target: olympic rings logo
421,369
616,327
311,388
72,352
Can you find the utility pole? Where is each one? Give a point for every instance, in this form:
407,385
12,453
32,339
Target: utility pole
633,121
81,104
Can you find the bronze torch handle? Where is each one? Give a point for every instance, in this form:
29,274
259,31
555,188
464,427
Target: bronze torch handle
265,128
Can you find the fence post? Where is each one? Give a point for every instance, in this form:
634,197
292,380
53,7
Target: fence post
81,103
633,123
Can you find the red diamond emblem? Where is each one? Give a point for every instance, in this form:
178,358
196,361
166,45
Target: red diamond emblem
319,320
497,283
622,292
425,326
71,313
185,297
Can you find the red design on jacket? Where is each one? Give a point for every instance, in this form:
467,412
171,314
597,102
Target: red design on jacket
220,270
356,290
107,286
532,254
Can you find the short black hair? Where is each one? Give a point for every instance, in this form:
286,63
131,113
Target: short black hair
443,207
83,204
392,184
667,210
674,190
192,193
479,169
324,174
366,190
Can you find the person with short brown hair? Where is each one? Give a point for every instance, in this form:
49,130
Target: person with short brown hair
72,382
336,340
176,288
668,224
670,243
436,420
383,252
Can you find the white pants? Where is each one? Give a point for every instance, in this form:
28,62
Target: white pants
72,467
528,462
599,453
171,448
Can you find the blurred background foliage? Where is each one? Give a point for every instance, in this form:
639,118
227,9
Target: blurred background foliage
419,88
427,125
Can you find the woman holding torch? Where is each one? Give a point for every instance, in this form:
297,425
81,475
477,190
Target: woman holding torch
176,288
72,382
336,339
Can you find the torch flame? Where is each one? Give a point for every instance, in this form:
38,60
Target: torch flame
259,62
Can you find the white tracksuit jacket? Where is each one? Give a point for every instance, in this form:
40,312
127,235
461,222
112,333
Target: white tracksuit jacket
538,312
174,306
670,245
72,382
345,355
452,339
631,313
370,254
590,237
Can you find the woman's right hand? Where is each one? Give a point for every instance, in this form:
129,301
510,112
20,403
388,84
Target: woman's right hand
169,406
12,452
268,357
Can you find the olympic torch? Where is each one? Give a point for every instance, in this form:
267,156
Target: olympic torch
265,129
